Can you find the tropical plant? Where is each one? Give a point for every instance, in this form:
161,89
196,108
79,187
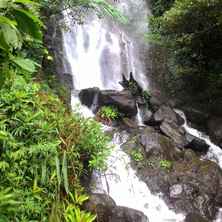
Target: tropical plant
18,24
44,148
108,112
136,155
73,213
166,164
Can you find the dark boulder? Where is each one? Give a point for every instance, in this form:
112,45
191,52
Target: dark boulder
158,145
107,211
215,130
124,214
155,103
175,132
88,96
167,114
196,144
194,217
102,205
123,100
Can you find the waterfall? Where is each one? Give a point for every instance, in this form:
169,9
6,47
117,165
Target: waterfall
122,184
97,54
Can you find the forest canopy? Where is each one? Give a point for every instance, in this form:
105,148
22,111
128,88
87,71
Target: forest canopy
191,30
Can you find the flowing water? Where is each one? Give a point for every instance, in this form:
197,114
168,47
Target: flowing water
97,54
214,153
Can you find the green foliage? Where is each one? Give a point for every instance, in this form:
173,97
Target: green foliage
18,26
73,213
166,164
160,6
78,9
109,112
43,148
8,203
192,32
136,155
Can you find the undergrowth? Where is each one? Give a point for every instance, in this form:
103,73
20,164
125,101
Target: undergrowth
43,151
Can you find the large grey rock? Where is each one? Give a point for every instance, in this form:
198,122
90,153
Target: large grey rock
88,96
167,114
124,214
157,144
107,210
175,132
189,185
196,144
123,100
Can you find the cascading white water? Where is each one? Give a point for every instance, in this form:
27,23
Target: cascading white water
214,153
122,184
139,116
98,53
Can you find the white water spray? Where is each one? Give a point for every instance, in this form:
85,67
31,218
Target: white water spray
122,184
214,153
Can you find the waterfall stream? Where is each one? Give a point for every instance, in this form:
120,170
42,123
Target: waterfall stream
97,54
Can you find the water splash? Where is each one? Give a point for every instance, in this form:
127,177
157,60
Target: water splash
122,184
214,153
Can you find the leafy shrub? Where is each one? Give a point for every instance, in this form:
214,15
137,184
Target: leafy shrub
136,155
73,213
44,148
166,164
108,112
19,25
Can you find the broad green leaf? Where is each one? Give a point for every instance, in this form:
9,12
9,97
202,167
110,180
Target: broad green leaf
5,20
28,23
3,43
10,35
26,64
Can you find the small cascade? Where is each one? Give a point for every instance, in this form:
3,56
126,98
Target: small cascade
77,106
122,184
214,153
139,116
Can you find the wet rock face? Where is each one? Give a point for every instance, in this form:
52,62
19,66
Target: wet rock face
123,100
167,114
107,211
87,96
196,144
189,184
